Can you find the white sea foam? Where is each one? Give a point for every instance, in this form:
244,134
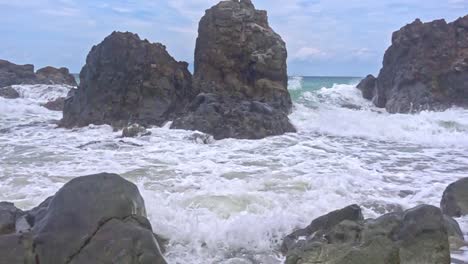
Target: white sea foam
295,83
234,200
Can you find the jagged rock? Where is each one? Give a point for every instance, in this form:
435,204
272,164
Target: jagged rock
367,87
51,75
55,105
418,235
93,219
135,130
455,199
227,117
8,215
9,93
201,138
11,74
425,68
128,80
242,61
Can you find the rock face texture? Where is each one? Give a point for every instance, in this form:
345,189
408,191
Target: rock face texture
93,219
227,117
418,235
240,63
9,92
51,75
128,80
455,199
12,74
425,68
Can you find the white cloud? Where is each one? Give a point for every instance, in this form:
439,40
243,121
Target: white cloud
308,53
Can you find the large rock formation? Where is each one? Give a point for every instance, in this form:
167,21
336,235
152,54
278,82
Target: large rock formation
12,74
425,68
455,199
51,75
240,61
419,235
128,80
93,219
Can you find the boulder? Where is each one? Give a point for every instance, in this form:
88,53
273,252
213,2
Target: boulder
425,68
9,92
367,87
55,105
418,235
51,75
93,219
128,80
455,199
8,215
241,61
135,130
11,74
230,117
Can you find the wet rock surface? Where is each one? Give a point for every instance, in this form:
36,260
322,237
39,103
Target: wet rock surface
418,235
51,75
425,68
9,93
455,199
128,80
93,219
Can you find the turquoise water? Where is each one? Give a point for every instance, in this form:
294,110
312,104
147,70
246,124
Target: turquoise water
299,84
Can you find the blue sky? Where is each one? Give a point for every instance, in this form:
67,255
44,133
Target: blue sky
324,37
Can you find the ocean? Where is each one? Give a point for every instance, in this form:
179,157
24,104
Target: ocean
232,201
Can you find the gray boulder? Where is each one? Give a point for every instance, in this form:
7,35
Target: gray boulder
93,219
9,92
128,80
455,199
416,236
8,216
425,68
367,87
11,74
228,117
51,75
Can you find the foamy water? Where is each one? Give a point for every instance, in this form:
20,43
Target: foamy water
233,201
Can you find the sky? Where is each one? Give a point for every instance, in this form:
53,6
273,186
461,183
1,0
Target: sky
323,37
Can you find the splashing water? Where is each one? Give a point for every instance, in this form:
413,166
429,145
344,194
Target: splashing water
233,201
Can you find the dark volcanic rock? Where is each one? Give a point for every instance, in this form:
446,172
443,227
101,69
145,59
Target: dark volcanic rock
51,75
240,67
238,54
418,235
9,93
228,117
11,74
128,80
367,87
455,199
425,68
93,219
55,105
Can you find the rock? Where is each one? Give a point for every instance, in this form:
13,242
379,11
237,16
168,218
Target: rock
455,199
238,54
135,130
9,93
456,238
93,219
418,235
51,75
227,117
240,65
128,80
201,138
425,68
55,105
8,215
11,74
367,87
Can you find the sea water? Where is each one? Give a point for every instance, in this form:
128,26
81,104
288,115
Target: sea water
232,201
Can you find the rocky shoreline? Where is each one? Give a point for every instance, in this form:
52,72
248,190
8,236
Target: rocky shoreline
102,219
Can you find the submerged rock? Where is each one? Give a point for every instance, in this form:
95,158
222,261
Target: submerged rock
455,199
128,80
425,68
9,93
240,69
55,105
51,75
418,235
135,130
227,117
93,219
